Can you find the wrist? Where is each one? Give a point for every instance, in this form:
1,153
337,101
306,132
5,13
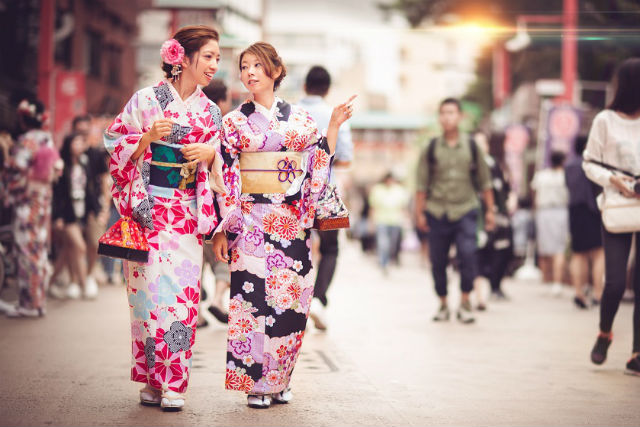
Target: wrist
146,138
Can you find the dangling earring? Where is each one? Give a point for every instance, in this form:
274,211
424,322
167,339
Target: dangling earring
175,72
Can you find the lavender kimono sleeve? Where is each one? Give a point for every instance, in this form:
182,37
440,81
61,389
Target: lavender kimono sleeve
318,169
229,200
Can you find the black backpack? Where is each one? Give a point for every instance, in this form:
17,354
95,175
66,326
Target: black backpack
473,169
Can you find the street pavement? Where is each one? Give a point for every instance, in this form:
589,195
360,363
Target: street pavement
381,362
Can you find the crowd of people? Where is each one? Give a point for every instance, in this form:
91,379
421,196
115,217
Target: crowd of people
198,176
463,200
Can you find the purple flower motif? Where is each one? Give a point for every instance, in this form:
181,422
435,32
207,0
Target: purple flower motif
240,348
234,224
188,273
277,260
256,236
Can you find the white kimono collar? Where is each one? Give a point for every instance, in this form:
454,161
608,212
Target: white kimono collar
268,113
190,99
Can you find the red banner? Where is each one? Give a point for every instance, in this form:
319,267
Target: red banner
69,101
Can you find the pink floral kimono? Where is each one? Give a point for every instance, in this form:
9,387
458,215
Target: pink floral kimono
175,209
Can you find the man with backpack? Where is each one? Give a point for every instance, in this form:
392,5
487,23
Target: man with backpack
451,173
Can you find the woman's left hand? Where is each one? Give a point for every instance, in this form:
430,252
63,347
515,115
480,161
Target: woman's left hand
199,152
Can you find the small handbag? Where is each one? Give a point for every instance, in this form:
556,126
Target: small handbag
331,213
620,214
125,239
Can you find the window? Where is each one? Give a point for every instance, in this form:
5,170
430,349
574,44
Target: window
93,54
114,59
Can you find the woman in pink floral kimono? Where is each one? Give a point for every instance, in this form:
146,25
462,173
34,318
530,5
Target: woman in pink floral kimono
276,165
31,168
164,143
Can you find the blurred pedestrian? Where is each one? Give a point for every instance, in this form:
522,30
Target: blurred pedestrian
32,167
98,202
587,254
552,220
450,175
162,145
365,228
389,203
70,212
613,143
316,88
267,214
496,248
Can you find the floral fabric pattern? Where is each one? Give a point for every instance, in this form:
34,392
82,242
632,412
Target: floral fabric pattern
122,137
31,199
164,293
164,301
270,260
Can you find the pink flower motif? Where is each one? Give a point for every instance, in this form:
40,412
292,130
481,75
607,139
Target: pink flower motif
172,52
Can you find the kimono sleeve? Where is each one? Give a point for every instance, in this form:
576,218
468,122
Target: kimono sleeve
121,139
229,200
318,170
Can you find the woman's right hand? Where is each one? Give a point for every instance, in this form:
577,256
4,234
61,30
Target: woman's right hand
160,129
624,184
221,247
341,113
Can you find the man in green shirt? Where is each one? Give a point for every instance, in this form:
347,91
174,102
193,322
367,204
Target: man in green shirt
451,173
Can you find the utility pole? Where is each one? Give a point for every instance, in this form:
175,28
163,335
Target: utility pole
45,54
569,48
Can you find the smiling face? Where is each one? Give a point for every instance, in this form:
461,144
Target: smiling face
254,75
204,64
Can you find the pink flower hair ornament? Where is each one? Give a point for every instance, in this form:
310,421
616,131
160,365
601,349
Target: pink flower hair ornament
172,53
28,109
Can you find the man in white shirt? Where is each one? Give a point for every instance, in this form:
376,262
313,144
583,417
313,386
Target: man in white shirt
316,87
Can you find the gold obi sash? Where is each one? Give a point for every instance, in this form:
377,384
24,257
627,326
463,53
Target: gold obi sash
271,172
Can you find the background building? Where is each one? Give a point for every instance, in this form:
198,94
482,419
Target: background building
92,69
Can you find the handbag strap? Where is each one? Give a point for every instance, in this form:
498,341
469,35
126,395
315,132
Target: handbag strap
133,178
612,168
